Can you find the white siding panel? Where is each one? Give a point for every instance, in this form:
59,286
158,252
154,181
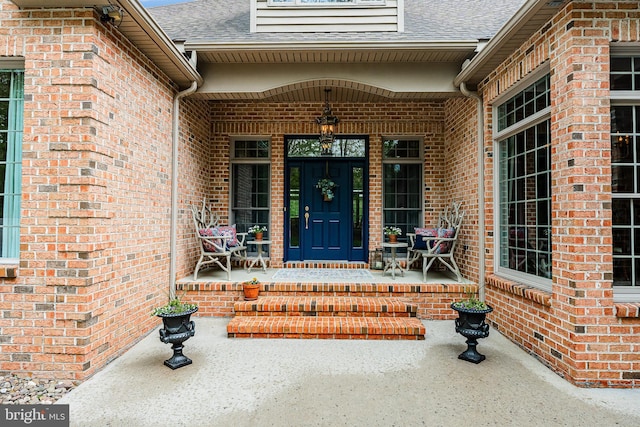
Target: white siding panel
328,18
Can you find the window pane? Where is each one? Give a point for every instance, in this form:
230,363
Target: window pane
401,149
257,149
533,99
342,147
357,206
251,195
622,179
525,195
402,186
294,207
11,113
625,177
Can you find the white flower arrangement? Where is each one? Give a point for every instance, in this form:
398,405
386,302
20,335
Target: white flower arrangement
392,231
257,229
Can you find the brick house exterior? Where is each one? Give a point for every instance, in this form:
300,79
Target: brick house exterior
95,221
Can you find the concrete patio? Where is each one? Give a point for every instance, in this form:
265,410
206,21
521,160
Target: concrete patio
257,382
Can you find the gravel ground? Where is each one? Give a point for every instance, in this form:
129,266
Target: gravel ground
16,390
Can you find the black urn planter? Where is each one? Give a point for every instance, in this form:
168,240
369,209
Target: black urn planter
471,325
177,329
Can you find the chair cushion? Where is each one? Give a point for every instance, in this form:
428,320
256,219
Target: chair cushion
209,232
423,232
229,230
444,247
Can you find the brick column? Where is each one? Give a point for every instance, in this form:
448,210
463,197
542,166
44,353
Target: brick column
582,303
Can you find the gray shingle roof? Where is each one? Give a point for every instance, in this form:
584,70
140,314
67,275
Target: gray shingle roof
227,21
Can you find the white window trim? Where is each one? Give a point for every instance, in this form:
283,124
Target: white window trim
539,117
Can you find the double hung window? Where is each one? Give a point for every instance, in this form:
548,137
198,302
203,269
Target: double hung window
250,183
11,113
402,184
625,174
524,185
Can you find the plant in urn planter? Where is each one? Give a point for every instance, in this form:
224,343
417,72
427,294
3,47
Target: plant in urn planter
178,327
471,324
251,289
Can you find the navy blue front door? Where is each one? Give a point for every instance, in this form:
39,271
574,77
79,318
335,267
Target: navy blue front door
320,229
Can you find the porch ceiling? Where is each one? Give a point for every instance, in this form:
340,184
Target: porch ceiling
372,73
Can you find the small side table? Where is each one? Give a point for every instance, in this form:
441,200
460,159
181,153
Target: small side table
259,259
393,264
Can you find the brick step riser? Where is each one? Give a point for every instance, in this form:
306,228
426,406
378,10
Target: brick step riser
326,306
386,337
325,264
321,314
325,327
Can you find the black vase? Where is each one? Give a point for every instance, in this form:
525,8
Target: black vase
177,329
471,325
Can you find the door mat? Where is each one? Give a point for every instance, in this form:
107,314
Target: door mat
323,274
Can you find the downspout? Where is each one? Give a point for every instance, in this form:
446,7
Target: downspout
174,185
481,189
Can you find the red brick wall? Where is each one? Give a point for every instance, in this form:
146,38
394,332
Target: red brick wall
576,332
461,177
96,195
194,171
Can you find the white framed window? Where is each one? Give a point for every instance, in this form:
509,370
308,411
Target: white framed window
625,173
326,2
523,180
11,118
250,182
402,176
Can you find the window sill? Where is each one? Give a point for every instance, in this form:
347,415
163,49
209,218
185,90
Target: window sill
627,309
8,271
524,291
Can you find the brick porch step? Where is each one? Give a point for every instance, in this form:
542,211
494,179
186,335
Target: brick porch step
337,317
325,306
381,328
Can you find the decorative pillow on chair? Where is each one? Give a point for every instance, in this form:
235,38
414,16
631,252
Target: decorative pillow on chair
423,232
448,233
209,232
229,230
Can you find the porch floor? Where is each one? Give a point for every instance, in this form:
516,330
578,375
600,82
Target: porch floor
239,275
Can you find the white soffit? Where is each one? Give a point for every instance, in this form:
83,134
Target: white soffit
306,82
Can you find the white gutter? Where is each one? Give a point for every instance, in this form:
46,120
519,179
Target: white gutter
313,45
481,189
174,185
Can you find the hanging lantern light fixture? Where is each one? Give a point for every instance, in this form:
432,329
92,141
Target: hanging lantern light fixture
327,123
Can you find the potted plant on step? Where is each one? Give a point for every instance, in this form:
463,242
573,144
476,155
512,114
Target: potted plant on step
392,233
257,231
471,324
251,289
178,327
